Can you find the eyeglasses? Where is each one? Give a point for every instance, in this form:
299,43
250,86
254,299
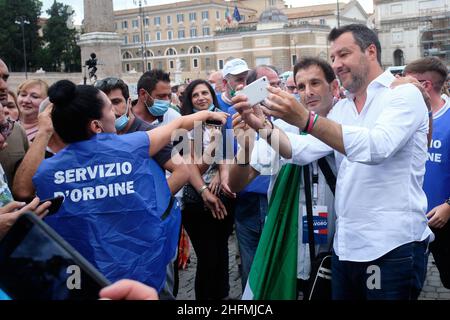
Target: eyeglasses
107,82
6,128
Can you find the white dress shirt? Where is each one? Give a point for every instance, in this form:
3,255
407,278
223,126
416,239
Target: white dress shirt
380,204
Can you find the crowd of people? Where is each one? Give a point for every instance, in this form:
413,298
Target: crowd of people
139,176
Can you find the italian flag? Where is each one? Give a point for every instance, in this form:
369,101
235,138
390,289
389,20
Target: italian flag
228,15
273,275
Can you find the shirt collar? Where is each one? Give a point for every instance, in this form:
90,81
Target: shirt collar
384,80
444,109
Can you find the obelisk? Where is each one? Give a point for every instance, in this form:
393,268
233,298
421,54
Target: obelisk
99,37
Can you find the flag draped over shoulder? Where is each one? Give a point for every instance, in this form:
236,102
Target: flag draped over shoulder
273,275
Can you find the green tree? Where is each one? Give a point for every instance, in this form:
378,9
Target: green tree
11,49
60,51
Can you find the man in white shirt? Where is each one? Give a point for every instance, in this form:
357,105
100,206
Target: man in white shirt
379,139
316,82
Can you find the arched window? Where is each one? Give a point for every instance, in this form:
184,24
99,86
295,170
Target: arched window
194,50
149,53
127,55
399,59
171,52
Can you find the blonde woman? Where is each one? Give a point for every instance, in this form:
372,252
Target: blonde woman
30,94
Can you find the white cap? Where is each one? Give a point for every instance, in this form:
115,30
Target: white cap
234,67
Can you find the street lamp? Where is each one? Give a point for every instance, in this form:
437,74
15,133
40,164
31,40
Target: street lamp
143,45
22,23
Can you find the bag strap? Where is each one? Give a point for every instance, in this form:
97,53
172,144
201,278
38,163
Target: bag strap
331,181
328,173
309,212
169,208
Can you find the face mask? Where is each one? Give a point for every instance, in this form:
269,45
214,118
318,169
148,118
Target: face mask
232,91
210,108
297,96
159,107
213,85
122,121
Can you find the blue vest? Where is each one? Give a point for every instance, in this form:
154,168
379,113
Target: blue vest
437,176
114,212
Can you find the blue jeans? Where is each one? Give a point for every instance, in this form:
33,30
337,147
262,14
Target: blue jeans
398,275
250,213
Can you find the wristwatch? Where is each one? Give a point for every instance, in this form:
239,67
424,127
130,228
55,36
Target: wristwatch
447,201
202,189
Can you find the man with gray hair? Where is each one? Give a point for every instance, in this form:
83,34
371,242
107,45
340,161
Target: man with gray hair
216,81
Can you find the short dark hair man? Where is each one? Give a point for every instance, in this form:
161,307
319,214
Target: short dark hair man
154,97
379,201
431,72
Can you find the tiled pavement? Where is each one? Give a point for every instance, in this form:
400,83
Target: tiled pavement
187,277
432,290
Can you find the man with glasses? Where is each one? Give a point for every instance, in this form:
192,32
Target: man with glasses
290,87
432,73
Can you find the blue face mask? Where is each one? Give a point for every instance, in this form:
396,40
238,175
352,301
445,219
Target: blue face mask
159,107
122,121
210,108
297,96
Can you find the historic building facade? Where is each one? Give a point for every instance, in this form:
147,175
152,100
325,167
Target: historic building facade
411,29
192,38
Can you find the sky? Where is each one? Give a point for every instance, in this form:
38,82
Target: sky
126,4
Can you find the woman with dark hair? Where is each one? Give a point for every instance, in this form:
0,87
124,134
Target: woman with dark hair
209,233
118,211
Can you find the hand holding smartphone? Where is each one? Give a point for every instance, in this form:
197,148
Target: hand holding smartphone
56,204
37,264
256,91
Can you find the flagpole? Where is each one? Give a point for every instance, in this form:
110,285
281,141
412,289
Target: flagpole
338,17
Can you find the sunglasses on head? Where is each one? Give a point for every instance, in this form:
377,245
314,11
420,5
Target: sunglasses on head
107,82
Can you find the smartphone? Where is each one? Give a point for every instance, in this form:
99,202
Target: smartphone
256,91
56,204
37,264
214,123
